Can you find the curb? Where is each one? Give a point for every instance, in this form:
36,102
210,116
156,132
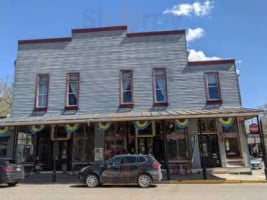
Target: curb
211,181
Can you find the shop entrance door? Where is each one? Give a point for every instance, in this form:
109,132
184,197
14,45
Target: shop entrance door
210,149
62,155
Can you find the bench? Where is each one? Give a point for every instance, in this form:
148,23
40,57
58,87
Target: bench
180,167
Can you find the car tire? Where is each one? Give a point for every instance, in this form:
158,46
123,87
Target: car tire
12,184
144,180
92,180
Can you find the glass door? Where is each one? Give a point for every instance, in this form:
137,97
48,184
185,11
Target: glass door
211,150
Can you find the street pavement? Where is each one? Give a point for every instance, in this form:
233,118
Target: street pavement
76,191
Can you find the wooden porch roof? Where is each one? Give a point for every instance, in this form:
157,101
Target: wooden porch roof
244,113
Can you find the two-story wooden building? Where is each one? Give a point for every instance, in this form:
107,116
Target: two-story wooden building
104,91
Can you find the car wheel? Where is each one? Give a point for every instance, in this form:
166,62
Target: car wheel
144,180
12,184
92,180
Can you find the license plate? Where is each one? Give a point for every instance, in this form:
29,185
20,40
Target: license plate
18,169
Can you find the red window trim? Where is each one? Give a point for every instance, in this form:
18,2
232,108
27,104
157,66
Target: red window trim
36,108
213,101
155,103
71,107
122,104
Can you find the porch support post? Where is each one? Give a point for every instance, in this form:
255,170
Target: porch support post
203,165
163,131
54,174
262,146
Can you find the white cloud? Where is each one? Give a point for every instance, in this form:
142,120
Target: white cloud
197,8
193,34
200,55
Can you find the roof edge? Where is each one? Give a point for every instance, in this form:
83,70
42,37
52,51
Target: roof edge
211,62
46,40
155,33
99,29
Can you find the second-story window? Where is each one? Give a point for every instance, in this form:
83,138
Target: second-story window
212,86
42,84
160,86
72,91
126,87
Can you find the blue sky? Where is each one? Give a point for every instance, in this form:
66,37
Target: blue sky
215,29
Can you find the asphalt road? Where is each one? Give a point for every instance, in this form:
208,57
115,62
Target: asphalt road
257,191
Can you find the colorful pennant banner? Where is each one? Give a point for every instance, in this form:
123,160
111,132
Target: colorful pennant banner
36,128
141,125
3,131
71,128
226,122
104,125
182,123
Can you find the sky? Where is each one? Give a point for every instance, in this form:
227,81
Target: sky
215,29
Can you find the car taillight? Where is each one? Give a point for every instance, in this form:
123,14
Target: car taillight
155,165
7,168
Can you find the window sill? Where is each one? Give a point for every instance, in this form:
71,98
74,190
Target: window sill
211,102
128,105
163,104
71,107
44,109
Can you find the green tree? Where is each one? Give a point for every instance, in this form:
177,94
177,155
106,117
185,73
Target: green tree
6,88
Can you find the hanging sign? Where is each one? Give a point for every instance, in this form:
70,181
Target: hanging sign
254,128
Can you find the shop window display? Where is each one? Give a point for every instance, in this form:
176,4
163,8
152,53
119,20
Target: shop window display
25,145
177,144
83,145
115,140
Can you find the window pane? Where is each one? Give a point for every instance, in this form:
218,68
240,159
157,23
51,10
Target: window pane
212,79
127,84
42,91
42,101
160,96
72,99
160,86
73,77
213,93
126,75
127,97
73,87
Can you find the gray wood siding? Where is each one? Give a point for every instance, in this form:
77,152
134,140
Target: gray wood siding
99,57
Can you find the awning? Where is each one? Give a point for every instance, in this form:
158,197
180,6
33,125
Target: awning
246,113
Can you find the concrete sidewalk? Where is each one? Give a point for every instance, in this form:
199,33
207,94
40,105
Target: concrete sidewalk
257,176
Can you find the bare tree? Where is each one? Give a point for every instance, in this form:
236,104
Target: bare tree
6,88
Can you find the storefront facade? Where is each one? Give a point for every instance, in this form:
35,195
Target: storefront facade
104,91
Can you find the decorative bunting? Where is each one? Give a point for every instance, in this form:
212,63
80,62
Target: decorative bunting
226,122
141,125
104,125
182,123
71,128
36,128
3,131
